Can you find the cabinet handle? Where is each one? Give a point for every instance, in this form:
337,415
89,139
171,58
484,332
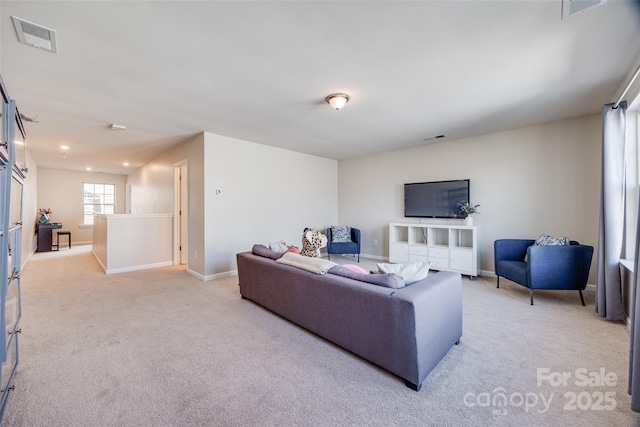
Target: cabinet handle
18,222
18,331
13,387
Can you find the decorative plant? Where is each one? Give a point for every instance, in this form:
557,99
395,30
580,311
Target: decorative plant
44,215
468,208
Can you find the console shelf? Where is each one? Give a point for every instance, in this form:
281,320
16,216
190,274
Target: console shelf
447,247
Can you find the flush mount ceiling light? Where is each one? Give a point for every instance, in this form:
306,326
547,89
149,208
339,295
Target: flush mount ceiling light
118,127
337,100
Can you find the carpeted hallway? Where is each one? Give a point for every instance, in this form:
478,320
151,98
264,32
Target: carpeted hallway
161,348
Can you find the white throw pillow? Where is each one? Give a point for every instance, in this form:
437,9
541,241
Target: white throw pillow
280,246
411,273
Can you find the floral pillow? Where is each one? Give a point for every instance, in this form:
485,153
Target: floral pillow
547,240
340,234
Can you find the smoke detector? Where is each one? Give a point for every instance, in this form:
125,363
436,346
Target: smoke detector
35,35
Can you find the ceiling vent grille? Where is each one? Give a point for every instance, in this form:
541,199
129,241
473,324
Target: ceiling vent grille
35,35
571,7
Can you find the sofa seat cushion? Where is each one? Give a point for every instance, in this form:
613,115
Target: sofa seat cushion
387,280
513,270
344,248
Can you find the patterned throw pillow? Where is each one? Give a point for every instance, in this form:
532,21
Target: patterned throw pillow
340,234
545,239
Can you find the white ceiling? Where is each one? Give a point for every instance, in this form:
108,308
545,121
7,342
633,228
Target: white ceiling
259,71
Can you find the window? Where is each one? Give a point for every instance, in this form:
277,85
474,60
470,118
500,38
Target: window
98,198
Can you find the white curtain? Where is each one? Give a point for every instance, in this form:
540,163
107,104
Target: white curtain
611,233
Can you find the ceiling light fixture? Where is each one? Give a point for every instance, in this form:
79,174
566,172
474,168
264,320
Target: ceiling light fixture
125,164
118,127
64,147
337,100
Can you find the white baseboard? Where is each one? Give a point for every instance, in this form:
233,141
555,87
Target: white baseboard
212,276
138,267
104,269
376,257
133,268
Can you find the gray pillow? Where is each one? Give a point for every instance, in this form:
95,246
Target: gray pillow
387,280
411,273
340,234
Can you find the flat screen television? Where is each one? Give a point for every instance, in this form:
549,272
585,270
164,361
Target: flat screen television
439,199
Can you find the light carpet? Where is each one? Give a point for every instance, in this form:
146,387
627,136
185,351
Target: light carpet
162,348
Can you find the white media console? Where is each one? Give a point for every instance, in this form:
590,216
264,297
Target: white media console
447,247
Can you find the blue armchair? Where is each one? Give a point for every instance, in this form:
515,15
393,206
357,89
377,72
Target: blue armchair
352,247
546,267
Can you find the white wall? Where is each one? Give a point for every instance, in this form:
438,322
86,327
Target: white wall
532,180
62,191
267,194
152,192
29,209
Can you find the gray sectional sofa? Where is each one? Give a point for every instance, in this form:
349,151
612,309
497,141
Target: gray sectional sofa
406,331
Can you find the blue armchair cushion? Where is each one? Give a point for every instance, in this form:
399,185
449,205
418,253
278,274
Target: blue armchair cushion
340,234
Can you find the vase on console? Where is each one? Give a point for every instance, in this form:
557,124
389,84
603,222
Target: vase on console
468,220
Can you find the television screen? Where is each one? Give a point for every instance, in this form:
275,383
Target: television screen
439,199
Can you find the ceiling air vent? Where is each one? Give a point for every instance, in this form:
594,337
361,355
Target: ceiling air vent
35,35
571,7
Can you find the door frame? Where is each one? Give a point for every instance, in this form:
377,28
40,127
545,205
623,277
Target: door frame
180,222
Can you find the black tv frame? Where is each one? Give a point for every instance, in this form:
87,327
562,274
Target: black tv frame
456,215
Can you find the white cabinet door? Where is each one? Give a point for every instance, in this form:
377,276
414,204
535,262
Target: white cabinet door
462,260
399,252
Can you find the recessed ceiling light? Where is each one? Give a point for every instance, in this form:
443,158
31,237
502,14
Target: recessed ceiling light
125,164
118,127
89,169
64,147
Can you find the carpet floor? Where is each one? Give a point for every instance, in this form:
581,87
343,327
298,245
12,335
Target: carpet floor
162,348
